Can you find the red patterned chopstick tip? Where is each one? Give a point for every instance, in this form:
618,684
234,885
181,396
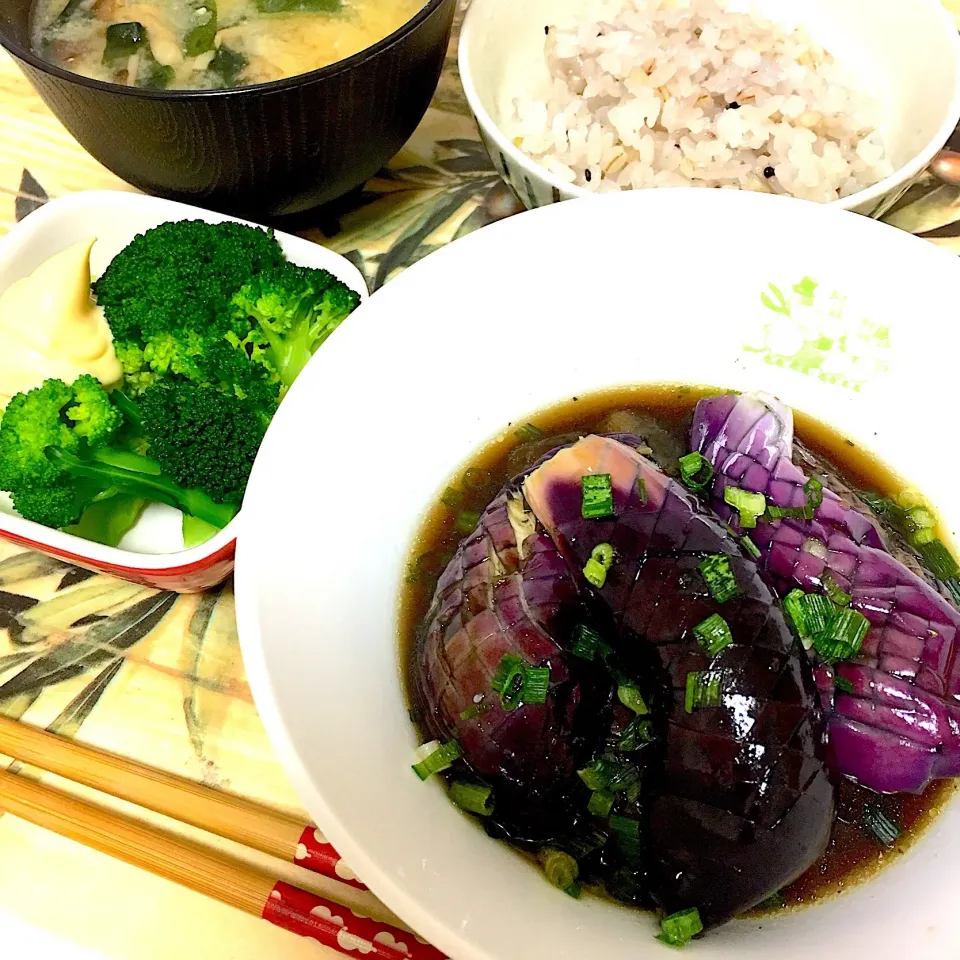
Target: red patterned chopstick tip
341,929
314,853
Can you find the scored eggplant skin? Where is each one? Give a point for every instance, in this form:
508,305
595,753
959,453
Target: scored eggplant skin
899,727
738,801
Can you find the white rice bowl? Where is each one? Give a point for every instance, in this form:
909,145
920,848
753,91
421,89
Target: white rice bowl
662,93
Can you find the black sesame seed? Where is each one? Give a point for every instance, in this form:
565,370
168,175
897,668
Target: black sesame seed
588,176
546,30
768,172
734,105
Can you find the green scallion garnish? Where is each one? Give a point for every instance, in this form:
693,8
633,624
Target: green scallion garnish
938,559
880,826
635,734
528,432
704,689
696,472
834,591
794,606
595,569
536,684
718,574
452,498
642,491
472,797
470,712
630,697
818,612
842,684
466,521
435,757
561,869
713,634
843,637
627,777
920,525
600,803
596,494
586,642
748,504
574,890
813,488
508,680
598,775
625,827
680,928
750,547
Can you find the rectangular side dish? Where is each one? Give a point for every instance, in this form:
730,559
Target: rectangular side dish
114,218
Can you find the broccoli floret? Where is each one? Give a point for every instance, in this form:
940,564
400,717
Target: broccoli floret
201,437
180,276
58,455
295,309
167,298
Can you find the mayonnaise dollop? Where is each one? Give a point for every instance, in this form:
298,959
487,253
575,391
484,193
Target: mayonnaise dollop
50,326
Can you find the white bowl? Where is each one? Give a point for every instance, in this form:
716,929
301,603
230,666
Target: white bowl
906,53
484,332
152,552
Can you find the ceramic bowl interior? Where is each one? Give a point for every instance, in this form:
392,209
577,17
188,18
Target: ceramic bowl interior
318,585
114,218
889,46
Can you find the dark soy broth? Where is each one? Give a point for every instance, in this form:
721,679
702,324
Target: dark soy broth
663,413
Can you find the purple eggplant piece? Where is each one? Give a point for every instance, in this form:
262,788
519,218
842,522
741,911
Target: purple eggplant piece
900,727
498,597
741,803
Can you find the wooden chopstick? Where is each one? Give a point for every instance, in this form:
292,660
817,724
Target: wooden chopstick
211,873
226,815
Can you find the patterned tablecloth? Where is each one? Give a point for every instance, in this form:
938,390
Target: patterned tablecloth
159,677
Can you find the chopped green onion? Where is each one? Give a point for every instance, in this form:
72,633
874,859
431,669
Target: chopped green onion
595,569
642,491
625,827
718,574
528,432
574,890
636,733
601,803
842,684
704,689
884,830
627,776
470,712
713,634
696,472
201,37
561,869
794,606
630,697
776,901
466,521
581,845
938,559
536,684
472,797
451,497
813,488
749,505
818,612
843,637
227,65
750,547
508,680
599,775
586,642
434,757
596,493
920,525
680,928
834,591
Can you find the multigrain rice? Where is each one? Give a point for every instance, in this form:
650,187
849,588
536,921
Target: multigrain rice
658,93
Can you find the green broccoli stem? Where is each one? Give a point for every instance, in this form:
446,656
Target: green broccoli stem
147,483
126,406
